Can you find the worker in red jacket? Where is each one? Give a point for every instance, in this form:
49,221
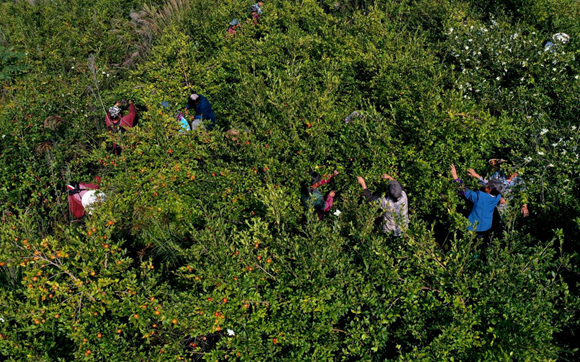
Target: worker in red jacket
115,123
82,196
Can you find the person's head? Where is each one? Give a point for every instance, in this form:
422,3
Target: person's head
254,9
314,178
493,187
114,112
234,23
193,100
395,190
496,162
260,3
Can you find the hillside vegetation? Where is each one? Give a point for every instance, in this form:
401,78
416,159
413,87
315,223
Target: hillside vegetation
202,249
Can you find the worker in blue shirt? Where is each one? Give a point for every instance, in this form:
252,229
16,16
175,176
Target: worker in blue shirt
200,105
484,203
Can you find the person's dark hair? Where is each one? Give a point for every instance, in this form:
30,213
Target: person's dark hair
314,178
493,187
192,103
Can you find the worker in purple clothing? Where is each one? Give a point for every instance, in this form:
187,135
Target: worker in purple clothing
311,195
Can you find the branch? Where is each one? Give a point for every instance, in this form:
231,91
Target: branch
265,271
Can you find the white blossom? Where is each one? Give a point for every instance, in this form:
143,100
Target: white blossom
231,332
337,213
551,165
543,131
540,153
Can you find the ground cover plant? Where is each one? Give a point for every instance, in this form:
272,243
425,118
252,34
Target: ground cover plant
203,250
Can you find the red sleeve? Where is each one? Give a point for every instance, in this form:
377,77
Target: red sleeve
76,206
108,120
83,185
324,181
328,204
129,119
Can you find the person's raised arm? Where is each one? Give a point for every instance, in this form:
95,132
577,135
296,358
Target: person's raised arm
361,182
454,172
129,120
324,180
471,172
462,190
388,177
368,194
329,201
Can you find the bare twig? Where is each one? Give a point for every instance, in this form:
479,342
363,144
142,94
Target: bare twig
266,271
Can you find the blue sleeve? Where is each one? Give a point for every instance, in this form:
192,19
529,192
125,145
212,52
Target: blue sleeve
471,195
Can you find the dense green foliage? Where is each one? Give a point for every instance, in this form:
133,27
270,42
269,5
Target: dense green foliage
202,249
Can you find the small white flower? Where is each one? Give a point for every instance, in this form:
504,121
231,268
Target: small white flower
337,213
450,30
527,159
554,144
3,136
107,75
554,69
573,128
575,77
498,78
1,319
466,47
540,153
103,72
551,165
231,332
543,131
73,67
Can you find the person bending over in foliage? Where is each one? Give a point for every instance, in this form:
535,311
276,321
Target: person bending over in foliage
507,185
484,203
115,123
83,196
202,111
256,11
232,29
311,195
395,205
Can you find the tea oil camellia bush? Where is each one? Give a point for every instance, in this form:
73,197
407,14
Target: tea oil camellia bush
203,250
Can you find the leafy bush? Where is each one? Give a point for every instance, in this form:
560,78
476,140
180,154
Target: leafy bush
203,250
